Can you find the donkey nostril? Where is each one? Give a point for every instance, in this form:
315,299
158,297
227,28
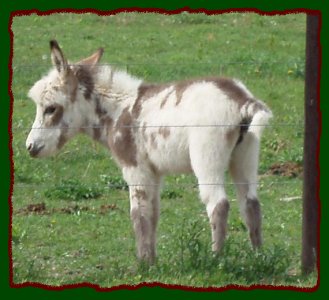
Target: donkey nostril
34,149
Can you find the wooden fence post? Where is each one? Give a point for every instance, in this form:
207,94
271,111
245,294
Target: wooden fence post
310,240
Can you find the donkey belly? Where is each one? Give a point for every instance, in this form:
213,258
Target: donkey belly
169,151
172,163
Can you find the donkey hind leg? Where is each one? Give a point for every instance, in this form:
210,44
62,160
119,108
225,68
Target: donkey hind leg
218,215
144,212
243,169
209,164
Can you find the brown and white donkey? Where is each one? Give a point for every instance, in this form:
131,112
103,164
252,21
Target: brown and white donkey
204,126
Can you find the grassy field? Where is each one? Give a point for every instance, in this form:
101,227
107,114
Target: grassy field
70,220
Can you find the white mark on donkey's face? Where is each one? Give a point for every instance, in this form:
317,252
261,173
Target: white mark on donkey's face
58,113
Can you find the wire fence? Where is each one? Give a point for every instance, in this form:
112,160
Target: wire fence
258,67
297,125
171,185
294,66
168,185
183,185
255,61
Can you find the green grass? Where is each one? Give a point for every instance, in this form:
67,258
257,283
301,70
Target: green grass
82,230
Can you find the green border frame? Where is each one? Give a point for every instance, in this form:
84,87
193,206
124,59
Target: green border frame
6,9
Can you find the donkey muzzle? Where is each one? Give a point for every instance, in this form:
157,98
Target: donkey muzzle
34,149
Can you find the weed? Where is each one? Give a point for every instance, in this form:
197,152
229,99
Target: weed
237,260
193,250
243,263
72,189
171,193
114,182
187,18
18,234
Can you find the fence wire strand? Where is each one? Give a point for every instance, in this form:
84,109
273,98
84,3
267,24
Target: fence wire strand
168,185
212,64
125,66
294,125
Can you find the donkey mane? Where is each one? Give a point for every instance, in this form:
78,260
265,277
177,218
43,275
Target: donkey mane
119,81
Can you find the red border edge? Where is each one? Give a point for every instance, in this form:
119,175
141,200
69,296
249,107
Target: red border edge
153,284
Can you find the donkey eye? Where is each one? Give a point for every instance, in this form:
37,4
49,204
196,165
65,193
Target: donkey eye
50,110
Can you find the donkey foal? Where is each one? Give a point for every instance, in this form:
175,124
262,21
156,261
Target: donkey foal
204,126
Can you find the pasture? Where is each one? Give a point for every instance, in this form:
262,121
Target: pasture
70,221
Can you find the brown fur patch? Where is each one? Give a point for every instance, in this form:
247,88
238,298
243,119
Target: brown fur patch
105,125
99,110
56,117
124,147
107,122
153,141
85,78
140,223
165,99
63,136
180,88
151,165
97,133
146,91
244,126
220,213
235,134
145,136
143,231
260,106
139,194
73,94
153,168
165,132
71,85
231,89
218,221
227,85
254,219
61,142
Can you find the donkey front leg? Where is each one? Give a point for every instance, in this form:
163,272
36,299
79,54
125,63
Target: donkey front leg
144,212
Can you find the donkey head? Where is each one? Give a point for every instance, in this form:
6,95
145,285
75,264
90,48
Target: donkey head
61,99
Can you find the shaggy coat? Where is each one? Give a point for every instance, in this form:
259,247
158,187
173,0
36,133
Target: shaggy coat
204,126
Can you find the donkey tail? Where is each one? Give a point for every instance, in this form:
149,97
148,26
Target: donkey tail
256,116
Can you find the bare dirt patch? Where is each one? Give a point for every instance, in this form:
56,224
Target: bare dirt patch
41,209
287,169
38,208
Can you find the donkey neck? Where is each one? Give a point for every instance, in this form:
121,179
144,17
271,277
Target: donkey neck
114,93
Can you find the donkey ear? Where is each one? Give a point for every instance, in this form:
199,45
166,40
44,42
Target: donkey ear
58,58
92,60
